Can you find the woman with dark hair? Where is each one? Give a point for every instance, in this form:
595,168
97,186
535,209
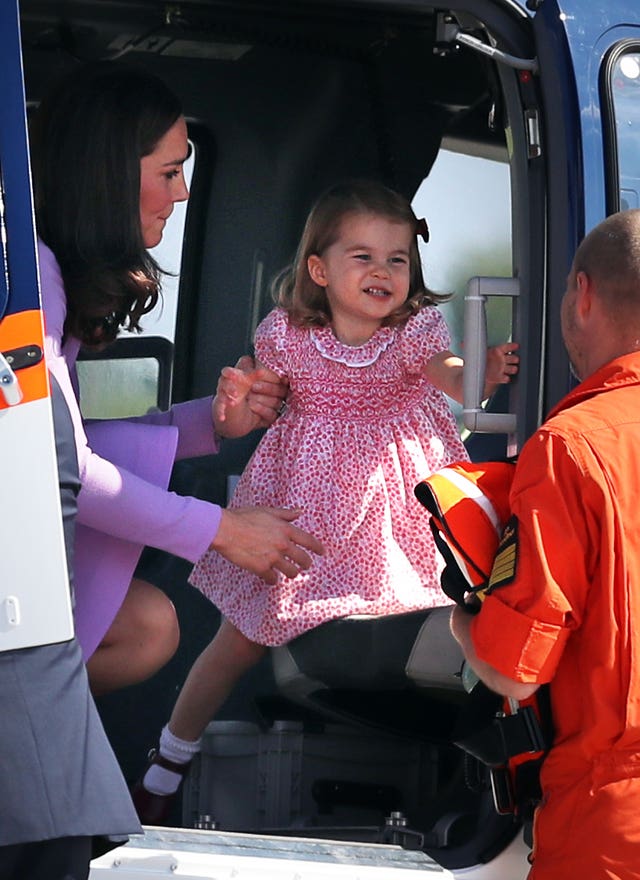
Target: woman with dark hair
109,145
88,139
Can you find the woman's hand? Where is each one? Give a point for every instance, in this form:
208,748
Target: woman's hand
248,396
264,541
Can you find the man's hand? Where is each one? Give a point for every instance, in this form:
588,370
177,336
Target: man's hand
460,624
264,541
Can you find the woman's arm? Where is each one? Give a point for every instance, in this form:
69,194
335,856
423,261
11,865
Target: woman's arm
112,499
202,422
115,501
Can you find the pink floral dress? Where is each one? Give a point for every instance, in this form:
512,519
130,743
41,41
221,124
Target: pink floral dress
362,427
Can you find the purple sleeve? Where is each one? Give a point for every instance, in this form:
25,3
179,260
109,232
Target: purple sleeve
112,499
196,435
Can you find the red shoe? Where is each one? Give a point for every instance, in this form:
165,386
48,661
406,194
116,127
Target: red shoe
155,809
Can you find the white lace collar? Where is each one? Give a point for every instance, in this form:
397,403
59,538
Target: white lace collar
352,355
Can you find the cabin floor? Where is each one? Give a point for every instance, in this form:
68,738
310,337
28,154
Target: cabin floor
194,853
186,853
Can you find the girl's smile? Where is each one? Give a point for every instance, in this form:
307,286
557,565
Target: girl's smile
377,291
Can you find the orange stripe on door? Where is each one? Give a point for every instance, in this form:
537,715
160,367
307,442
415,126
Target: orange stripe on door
25,328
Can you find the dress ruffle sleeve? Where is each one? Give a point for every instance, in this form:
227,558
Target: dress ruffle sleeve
423,336
271,342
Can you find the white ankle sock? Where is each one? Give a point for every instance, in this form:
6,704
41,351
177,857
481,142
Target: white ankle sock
159,780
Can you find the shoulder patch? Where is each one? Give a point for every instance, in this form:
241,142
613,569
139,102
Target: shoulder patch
505,563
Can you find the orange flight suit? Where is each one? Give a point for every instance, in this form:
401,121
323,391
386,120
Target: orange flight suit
564,608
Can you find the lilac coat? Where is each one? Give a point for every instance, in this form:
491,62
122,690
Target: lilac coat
124,467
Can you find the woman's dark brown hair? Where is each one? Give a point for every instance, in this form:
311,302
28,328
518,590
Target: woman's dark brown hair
87,139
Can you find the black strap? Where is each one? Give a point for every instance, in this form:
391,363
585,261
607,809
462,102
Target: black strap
505,737
454,584
494,739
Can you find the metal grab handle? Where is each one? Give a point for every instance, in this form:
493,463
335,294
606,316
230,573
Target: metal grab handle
476,418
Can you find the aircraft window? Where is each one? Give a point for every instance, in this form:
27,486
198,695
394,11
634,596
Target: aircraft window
136,381
133,376
467,203
625,92
132,379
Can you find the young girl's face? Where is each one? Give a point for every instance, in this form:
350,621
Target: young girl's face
366,274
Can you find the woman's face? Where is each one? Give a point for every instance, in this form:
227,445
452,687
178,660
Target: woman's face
162,182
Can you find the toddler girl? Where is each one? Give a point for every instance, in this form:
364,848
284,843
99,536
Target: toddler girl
366,353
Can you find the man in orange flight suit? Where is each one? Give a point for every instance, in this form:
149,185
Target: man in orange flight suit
564,595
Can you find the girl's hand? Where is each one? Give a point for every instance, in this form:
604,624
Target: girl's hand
232,416
268,391
248,396
502,365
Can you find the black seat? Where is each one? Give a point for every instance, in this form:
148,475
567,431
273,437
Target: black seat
380,671
401,675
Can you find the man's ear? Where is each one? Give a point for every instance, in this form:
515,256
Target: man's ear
315,265
584,295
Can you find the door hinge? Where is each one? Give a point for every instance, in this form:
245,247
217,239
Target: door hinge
532,125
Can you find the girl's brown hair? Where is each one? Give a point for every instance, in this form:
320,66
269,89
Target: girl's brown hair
305,301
